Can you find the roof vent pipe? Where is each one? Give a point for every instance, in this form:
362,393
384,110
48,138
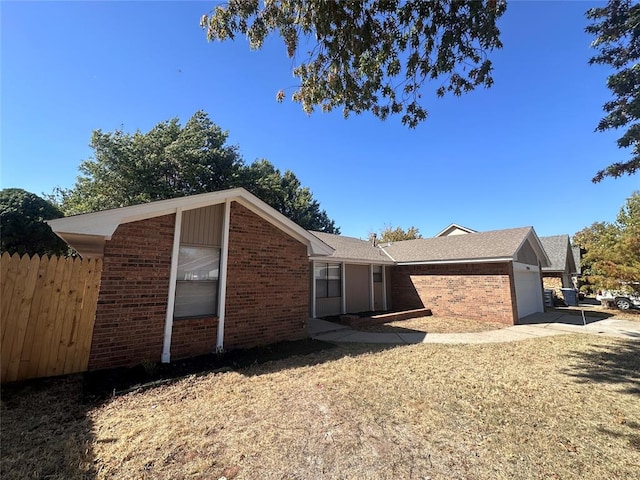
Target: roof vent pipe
374,239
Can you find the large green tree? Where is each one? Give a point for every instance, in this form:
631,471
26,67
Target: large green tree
612,250
285,193
616,28
371,55
23,227
167,161
172,160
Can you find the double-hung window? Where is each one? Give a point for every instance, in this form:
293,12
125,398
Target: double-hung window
328,278
197,281
377,274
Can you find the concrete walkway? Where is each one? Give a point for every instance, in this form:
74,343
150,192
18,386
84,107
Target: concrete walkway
536,325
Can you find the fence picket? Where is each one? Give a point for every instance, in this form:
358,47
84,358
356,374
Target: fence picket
72,317
89,306
22,318
35,322
12,318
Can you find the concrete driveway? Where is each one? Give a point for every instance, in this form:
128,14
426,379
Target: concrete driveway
536,325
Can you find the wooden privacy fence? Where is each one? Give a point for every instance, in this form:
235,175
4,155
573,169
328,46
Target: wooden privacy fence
47,313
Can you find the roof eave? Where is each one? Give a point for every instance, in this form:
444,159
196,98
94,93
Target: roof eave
98,227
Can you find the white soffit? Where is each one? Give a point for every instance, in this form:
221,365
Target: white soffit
100,226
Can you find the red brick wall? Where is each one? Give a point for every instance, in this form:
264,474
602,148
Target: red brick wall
132,302
476,291
268,283
267,293
193,336
551,282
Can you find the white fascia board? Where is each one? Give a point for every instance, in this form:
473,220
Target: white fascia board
468,260
105,223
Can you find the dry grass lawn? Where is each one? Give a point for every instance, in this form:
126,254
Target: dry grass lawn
434,324
565,407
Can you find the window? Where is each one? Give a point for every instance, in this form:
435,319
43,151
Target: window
328,278
197,281
377,273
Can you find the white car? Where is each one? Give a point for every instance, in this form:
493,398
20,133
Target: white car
621,300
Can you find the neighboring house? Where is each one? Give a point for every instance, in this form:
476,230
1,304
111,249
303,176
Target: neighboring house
190,275
563,269
223,270
490,276
454,229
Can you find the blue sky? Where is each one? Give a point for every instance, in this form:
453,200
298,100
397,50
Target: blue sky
520,153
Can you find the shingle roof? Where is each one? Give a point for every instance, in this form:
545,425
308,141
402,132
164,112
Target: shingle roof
473,246
350,248
557,248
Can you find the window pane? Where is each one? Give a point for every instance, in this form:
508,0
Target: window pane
198,263
377,273
320,271
197,281
321,288
333,271
333,288
195,298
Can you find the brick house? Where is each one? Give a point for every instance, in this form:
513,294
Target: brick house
224,270
190,275
564,265
490,276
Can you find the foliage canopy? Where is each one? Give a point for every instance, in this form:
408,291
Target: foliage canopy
173,161
616,28
24,231
390,234
612,258
372,55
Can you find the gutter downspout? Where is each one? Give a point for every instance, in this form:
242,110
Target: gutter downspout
223,276
168,323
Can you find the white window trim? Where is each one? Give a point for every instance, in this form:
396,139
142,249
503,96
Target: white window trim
173,275
224,256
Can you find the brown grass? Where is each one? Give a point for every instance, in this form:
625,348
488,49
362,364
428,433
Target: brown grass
558,407
434,324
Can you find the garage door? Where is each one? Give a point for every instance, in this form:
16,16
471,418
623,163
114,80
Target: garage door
528,289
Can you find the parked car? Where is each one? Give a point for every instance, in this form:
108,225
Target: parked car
621,300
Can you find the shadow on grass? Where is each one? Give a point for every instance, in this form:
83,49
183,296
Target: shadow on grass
45,430
617,364
102,384
565,316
